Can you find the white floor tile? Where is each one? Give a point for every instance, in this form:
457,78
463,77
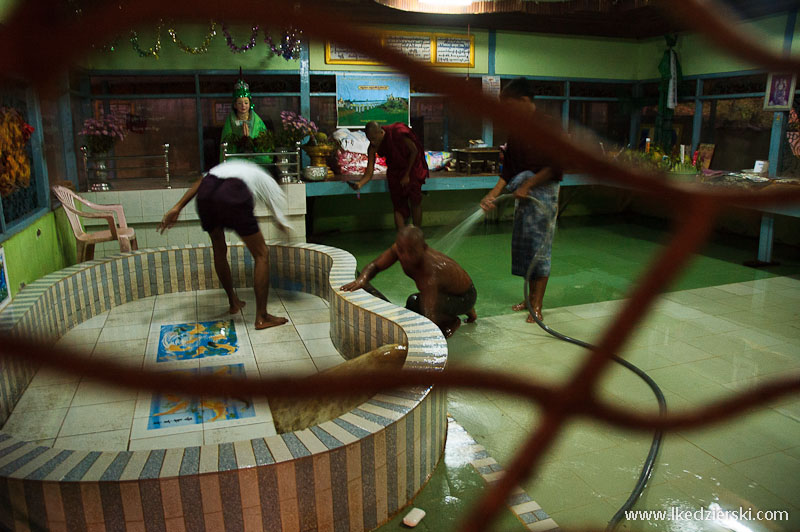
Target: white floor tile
97,322
239,433
321,348
275,352
49,377
79,338
46,398
122,348
327,362
47,424
98,418
314,331
186,439
281,333
110,440
130,318
95,393
124,333
303,317
293,368
140,305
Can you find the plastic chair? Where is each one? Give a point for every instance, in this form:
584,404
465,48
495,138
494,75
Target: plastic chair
86,241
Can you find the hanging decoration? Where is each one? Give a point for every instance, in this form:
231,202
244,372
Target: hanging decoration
111,46
243,48
203,48
671,76
150,52
289,45
15,167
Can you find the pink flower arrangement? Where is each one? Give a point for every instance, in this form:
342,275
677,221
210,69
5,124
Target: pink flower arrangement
296,127
102,132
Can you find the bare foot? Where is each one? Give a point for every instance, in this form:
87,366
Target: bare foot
236,306
472,316
269,321
518,307
538,315
448,331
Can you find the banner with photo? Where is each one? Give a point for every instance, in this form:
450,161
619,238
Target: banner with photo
361,98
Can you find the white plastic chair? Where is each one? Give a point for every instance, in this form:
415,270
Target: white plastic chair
117,230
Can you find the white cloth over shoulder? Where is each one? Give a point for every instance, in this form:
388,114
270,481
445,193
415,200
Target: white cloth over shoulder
261,184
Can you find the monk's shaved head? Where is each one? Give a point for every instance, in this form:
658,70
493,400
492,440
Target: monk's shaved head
374,132
411,234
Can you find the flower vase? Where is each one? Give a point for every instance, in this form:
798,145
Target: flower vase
100,171
284,163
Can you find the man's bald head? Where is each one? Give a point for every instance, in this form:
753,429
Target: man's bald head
374,132
411,234
410,244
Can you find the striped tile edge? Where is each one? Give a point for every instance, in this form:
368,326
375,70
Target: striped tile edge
377,457
520,503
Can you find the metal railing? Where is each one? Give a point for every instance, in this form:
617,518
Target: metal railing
99,171
286,162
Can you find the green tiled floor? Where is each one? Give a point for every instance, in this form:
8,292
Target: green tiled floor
594,259
722,329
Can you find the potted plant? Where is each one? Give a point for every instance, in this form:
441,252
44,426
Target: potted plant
101,134
294,129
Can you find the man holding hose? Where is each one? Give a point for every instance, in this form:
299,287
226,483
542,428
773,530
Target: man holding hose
535,184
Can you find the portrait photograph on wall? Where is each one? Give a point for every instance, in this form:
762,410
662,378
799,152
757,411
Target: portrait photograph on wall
5,290
361,99
780,92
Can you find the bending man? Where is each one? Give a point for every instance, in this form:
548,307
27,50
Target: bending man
406,169
225,200
445,289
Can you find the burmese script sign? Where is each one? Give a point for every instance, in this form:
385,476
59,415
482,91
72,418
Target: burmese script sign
441,49
415,47
336,54
454,51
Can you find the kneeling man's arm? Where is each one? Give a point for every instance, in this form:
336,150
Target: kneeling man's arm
386,259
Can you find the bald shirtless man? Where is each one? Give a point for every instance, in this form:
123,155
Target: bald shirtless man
445,289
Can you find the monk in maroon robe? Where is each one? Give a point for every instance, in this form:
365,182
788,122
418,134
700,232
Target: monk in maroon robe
406,168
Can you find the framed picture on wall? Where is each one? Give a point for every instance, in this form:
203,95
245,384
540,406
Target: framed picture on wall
221,111
780,92
5,289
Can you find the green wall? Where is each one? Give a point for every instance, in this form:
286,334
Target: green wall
43,247
565,56
531,54
699,56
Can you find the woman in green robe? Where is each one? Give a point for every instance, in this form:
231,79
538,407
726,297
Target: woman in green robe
242,122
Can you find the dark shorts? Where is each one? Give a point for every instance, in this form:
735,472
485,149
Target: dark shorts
402,196
227,204
448,304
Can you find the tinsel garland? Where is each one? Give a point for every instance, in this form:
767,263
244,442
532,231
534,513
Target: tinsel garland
289,47
203,48
245,47
150,51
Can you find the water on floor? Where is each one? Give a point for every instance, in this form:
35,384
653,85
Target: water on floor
722,328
